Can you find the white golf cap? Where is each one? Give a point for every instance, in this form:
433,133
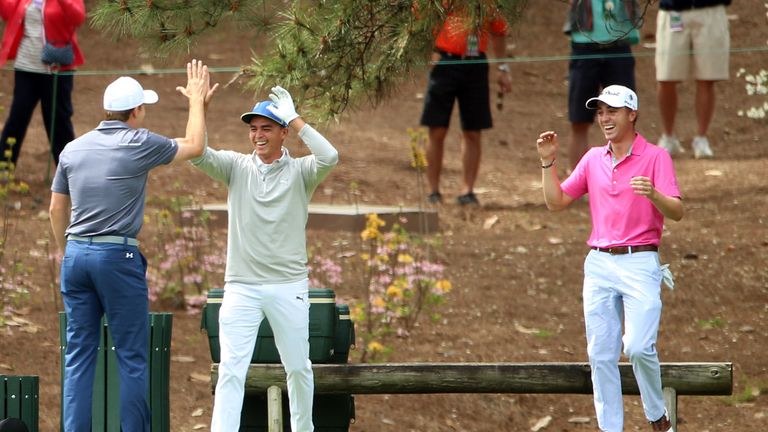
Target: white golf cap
126,93
616,96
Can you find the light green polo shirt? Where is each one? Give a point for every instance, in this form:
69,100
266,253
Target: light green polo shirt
268,208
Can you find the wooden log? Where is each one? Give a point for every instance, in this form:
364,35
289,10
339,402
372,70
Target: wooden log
532,378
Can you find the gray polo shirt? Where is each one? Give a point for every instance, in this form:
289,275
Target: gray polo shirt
105,174
268,207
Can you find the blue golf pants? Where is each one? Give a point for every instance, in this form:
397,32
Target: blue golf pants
105,279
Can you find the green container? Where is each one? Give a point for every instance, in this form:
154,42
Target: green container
345,335
106,385
20,398
322,327
330,413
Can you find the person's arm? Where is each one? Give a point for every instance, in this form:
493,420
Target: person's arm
671,207
499,43
199,92
554,196
59,212
74,11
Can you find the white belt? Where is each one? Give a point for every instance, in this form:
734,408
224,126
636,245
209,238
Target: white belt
105,239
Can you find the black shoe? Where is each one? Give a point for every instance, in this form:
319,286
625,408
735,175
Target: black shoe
468,199
435,198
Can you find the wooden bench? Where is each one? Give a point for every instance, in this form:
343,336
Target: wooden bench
701,379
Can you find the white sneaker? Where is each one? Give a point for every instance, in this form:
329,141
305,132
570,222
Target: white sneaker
671,144
701,148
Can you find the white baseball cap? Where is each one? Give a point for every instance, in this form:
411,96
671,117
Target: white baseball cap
126,93
616,96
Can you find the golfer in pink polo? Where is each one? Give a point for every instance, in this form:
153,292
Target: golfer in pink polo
632,187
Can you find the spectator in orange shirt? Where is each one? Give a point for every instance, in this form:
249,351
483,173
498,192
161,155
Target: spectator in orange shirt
460,72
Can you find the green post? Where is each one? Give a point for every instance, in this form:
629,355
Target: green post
20,399
106,386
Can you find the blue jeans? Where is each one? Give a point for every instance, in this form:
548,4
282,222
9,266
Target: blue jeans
98,279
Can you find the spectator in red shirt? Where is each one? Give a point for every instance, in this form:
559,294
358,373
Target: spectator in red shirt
461,72
35,28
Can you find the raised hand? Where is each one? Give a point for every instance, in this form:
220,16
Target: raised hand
284,108
198,82
547,146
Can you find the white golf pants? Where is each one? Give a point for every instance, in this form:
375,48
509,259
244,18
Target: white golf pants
242,309
629,287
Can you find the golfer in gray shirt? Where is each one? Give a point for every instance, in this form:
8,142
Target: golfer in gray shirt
97,209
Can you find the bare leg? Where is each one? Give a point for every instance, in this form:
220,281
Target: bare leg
579,142
470,156
435,156
705,105
667,97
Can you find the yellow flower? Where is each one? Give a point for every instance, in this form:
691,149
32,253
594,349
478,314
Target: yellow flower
365,256
372,225
369,234
375,347
164,214
394,291
418,156
379,302
404,259
443,285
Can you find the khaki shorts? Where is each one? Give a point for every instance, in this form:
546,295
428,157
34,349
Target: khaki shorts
704,40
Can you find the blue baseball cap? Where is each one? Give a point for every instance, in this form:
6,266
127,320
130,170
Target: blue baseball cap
260,109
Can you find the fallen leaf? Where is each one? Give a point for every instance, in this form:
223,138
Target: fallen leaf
198,377
197,413
555,240
530,226
713,173
183,359
199,426
542,423
490,222
579,420
6,366
525,330
30,329
21,321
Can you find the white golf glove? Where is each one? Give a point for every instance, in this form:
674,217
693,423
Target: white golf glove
666,277
284,108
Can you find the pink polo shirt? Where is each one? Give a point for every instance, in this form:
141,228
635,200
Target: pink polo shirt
619,216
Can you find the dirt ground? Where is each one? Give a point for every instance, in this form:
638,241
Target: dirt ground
522,272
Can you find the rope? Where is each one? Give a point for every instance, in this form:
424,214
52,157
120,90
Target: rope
233,69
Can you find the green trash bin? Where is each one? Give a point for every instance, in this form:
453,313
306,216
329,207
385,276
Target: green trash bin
344,339
322,327
330,413
20,399
106,385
